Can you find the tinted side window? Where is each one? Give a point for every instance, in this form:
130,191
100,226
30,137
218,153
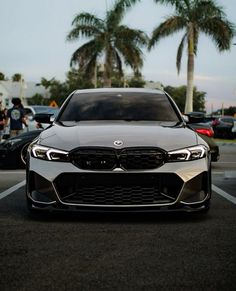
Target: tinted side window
228,121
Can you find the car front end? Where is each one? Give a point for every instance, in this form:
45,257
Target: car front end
118,165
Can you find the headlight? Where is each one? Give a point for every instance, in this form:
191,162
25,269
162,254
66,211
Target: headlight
49,154
187,154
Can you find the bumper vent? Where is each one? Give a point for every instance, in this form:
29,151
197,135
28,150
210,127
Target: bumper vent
117,189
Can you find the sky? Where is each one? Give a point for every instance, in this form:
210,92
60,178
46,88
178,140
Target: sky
33,43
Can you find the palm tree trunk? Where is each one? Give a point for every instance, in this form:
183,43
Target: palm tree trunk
190,72
190,85
107,69
95,78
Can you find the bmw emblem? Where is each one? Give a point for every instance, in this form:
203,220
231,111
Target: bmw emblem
118,143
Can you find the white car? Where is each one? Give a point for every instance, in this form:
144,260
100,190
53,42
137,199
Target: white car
118,150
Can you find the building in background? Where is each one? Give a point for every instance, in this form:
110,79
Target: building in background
153,85
22,90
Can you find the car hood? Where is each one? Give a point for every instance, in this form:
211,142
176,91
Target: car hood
130,133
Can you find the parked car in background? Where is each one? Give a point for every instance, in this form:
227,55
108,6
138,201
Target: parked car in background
202,125
206,132
13,150
118,149
31,111
225,127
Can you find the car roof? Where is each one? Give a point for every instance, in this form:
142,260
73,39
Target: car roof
114,90
41,108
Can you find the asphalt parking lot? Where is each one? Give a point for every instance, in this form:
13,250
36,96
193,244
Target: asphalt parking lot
224,171
113,252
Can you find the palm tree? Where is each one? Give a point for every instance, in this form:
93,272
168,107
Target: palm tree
17,77
117,44
2,77
194,17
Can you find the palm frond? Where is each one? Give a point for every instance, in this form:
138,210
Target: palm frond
133,56
166,2
85,25
90,66
180,5
82,31
180,52
138,37
207,8
83,55
171,25
87,19
115,16
221,32
118,61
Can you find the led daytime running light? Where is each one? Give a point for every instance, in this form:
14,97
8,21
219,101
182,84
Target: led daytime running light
187,154
46,153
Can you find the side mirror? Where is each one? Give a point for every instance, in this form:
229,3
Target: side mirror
186,119
44,118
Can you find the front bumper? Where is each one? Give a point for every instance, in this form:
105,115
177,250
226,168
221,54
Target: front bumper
173,186
7,158
3,156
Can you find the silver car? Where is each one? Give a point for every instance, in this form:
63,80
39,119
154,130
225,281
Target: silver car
118,150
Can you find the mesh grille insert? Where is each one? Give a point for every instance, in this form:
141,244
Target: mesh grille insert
117,188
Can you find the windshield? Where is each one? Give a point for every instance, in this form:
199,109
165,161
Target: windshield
119,106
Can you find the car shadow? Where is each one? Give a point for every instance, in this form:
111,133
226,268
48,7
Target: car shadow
115,218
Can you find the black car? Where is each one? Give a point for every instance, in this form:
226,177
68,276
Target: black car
13,150
199,123
118,149
225,127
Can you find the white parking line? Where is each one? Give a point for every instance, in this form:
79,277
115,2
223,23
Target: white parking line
12,172
224,194
218,173
226,163
12,189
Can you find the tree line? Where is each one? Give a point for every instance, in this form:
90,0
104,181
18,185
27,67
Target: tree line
58,91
